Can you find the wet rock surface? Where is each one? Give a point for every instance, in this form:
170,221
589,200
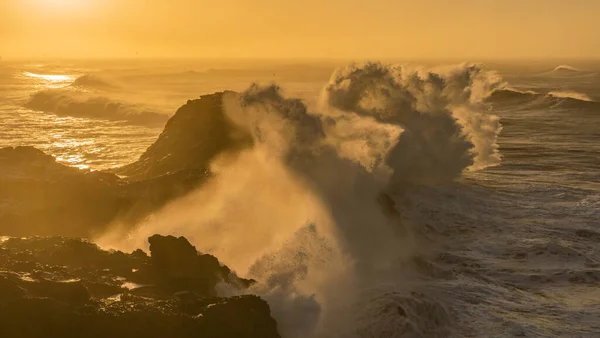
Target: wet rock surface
65,287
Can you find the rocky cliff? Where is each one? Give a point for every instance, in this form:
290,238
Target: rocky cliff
197,132
39,196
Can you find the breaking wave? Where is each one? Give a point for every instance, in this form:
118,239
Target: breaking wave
570,95
565,68
569,72
553,99
69,103
309,210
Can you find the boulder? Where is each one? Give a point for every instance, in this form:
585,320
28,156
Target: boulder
182,268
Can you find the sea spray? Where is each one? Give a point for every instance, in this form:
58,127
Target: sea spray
301,210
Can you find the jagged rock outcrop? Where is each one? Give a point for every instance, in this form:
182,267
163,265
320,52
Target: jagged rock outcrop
179,265
39,196
63,287
197,132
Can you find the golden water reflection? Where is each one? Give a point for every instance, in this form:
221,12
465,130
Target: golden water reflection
52,78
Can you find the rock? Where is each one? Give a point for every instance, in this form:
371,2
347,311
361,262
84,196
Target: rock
41,197
135,317
140,254
65,298
182,268
197,132
247,310
69,291
174,257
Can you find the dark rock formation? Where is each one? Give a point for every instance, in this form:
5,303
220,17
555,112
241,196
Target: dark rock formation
197,132
65,287
62,287
41,197
180,266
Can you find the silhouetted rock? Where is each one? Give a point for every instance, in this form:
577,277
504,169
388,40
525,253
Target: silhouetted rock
197,132
182,268
46,290
175,257
39,196
67,291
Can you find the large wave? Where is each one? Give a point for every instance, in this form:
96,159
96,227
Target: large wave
303,210
570,95
442,113
554,99
70,103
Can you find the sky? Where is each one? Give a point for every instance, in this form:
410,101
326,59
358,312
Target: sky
411,29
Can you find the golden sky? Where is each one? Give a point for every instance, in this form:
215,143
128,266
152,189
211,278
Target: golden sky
301,28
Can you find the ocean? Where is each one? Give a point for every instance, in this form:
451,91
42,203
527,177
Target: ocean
497,236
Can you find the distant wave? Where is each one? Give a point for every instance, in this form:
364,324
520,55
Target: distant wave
567,72
93,81
571,95
553,99
65,103
565,68
570,100
511,94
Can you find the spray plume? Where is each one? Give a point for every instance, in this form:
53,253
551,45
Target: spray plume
300,211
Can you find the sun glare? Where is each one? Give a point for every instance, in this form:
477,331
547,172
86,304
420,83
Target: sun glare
52,78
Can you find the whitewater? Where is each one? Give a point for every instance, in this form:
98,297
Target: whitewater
377,200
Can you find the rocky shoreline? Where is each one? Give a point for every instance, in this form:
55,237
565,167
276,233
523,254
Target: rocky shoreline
41,197
54,286
66,287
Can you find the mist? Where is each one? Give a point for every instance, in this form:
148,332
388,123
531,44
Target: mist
301,211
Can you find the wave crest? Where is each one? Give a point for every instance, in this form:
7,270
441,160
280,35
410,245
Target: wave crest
565,68
94,81
570,95
67,103
552,100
